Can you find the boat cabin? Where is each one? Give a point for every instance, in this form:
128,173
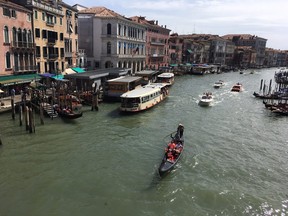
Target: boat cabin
167,78
148,76
114,88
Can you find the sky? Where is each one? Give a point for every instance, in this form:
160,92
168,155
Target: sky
264,18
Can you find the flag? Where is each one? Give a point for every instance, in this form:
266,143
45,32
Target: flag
71,28
135,50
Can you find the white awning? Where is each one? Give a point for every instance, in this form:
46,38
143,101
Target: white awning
68,71
1,91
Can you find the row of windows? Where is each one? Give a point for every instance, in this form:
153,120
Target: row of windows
26,57
9,12
18,35
150,97
127,31
49,52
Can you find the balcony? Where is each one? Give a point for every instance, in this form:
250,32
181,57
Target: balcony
68,54
51,42
155,43
51,24
25,69
53,57
22,45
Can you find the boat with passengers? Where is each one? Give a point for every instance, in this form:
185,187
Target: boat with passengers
144,97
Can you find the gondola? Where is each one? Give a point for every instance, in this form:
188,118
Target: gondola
70,115
67,113
167,164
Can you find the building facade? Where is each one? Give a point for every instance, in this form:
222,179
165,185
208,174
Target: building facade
54,24
157,47
258,44
17,44
111,40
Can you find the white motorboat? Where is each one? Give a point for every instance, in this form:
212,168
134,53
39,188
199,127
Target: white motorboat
219,84
206,99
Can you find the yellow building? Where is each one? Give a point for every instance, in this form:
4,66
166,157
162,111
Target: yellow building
55,35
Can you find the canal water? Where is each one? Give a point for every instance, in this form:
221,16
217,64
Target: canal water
105,163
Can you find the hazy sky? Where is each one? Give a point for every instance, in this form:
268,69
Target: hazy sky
264,18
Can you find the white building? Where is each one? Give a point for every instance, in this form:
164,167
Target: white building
111,40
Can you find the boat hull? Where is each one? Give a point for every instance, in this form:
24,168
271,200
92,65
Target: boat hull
167,165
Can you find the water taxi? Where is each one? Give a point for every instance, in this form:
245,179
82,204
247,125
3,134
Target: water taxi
167,78
237,87
143,98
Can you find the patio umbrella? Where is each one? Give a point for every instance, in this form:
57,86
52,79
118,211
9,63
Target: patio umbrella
1,91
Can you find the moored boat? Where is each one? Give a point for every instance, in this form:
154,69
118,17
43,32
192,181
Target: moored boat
144,97
166,77
206,99
173,151
67,113
237,87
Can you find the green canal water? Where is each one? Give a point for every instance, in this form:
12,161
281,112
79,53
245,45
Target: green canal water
234,162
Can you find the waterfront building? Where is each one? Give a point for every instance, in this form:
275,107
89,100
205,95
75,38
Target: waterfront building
111,40
270,57
17,44
70,34
17,62
247,40
157,46
175,49
245,57
55,34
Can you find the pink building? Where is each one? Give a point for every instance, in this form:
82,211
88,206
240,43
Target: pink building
17,46
157,47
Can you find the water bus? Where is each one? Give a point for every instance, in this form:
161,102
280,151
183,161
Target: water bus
143,98
166,77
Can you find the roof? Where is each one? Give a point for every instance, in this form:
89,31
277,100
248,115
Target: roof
143,91
78,70
87,75
10,4
146,72
100,12
17,79
166,75
125,79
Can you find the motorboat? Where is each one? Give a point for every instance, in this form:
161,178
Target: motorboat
219,84
238,87
206,99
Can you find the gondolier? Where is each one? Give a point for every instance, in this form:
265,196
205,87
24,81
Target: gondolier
180,130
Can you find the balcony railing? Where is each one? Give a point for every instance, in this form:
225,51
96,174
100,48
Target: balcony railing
51,41
22,44
157,43
25,69
53,57
68,54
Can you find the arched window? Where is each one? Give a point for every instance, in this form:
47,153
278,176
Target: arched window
6,34
25,35
108,29
16,61
125,29
19,35
109,48
29,36
8,60
14,32
119,29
